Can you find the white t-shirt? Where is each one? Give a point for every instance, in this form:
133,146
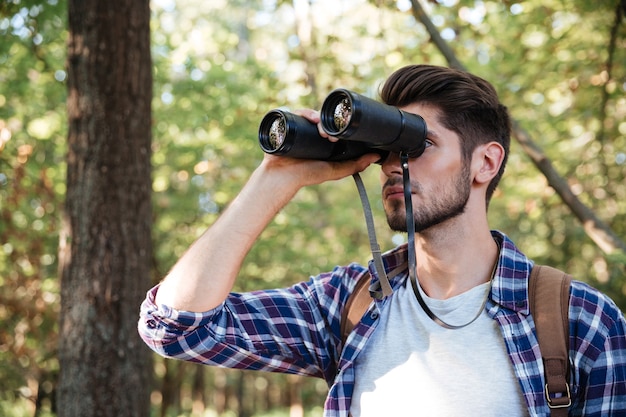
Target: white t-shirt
413,367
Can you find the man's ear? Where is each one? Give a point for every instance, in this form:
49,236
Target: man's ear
486,161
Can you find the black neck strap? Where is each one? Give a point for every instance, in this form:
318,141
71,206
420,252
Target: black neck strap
410,227
385,287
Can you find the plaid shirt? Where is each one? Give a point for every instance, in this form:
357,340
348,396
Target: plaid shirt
297,330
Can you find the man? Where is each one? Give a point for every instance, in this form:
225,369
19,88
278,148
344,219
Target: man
398,360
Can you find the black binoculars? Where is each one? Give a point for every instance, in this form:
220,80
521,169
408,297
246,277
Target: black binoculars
361,124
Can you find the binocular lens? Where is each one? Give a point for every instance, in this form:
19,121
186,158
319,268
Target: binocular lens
277,133
363,126
342,114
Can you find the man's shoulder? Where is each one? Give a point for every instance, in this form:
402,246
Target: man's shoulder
336,285
592,308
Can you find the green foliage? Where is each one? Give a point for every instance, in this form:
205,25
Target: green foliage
32,174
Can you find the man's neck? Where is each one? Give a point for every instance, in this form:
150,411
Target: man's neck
450,262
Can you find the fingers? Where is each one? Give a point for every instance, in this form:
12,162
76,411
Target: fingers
314,117
303,172
346,168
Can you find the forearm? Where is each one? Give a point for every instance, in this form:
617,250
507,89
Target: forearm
206,273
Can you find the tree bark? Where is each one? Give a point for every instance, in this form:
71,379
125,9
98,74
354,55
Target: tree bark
105,246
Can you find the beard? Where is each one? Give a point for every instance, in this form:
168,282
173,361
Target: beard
446,203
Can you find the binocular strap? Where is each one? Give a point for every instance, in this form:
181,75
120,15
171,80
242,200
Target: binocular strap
410,227
371,232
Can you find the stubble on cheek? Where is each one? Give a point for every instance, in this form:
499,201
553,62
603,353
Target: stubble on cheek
396,215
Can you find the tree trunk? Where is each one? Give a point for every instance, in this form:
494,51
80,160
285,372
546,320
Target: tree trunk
220,395
105,246
170,387
295,396
198,390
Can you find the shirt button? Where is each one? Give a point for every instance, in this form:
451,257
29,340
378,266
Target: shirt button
374,315
151,324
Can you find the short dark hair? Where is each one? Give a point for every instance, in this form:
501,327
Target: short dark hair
469,106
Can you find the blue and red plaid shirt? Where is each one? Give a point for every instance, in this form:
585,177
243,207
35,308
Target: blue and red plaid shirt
297,330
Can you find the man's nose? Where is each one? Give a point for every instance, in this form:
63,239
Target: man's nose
391,164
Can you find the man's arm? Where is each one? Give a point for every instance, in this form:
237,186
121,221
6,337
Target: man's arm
206,273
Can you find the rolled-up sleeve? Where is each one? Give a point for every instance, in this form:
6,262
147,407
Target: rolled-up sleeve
291,330
165,330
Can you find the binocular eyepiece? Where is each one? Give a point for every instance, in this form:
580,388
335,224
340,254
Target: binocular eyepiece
361,124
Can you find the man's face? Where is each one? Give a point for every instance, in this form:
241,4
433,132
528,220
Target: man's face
440,180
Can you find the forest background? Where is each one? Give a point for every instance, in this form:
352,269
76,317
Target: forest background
218,67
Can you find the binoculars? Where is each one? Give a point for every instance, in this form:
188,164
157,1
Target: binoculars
361,124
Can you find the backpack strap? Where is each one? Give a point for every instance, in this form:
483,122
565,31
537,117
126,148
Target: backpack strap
360,299
355,307
548,294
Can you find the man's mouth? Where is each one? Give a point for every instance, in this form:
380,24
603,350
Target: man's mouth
393,192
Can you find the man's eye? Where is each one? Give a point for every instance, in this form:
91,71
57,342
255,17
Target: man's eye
428,143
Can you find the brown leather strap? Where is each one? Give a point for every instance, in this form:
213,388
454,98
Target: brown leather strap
359,300
549,303
355,307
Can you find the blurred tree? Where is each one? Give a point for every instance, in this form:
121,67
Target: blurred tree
105,245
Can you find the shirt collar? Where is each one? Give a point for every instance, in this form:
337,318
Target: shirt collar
510,282
510,285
